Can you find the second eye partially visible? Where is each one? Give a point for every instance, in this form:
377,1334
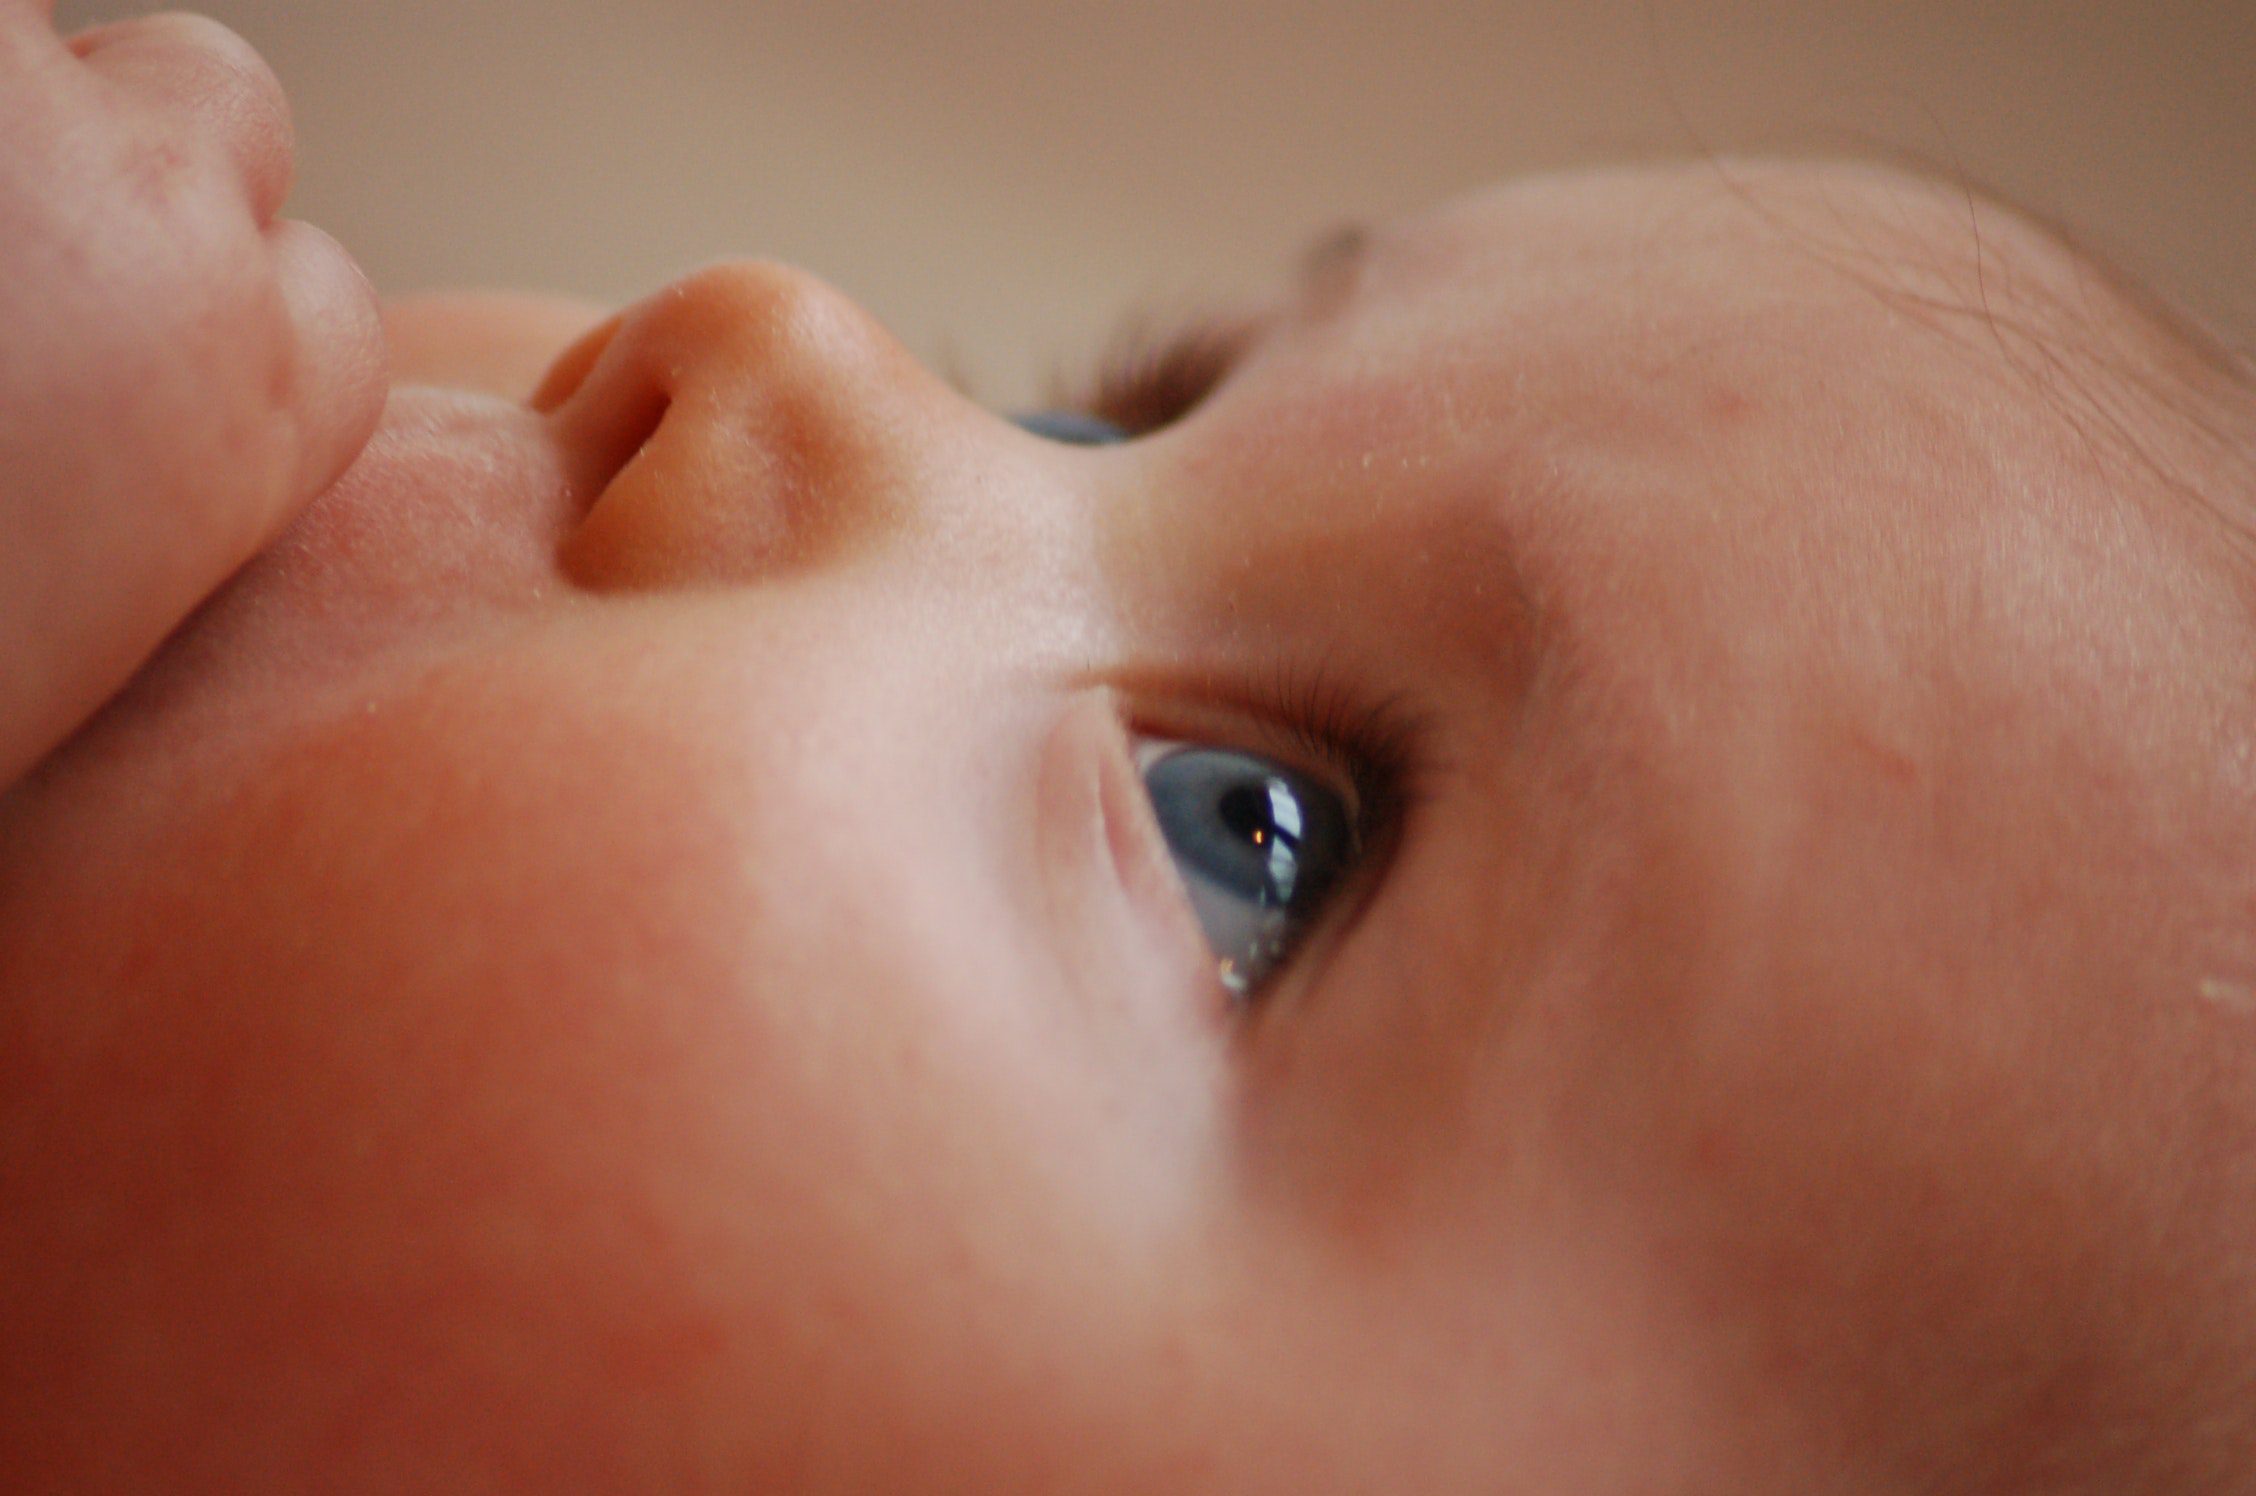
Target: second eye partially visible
1149,379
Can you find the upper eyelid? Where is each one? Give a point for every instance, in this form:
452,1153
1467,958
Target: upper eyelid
1316,717
1240,727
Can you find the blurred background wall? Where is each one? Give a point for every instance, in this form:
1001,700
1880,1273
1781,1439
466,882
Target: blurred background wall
1000,179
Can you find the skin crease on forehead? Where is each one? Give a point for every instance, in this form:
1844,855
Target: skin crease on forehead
709,1018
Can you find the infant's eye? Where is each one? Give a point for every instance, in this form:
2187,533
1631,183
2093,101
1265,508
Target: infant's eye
1259,845
1072,427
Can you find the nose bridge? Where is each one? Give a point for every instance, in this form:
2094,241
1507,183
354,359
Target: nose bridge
745,420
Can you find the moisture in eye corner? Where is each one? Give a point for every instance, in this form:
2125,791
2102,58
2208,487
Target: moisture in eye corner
1259,845
1072,428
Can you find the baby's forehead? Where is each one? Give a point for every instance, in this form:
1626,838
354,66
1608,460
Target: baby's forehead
1723,235
1843,363
1799,274
1633,303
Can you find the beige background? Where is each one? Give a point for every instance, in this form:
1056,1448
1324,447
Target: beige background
1000,179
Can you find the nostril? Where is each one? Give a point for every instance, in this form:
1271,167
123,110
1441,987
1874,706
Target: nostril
619,439
741,422
606,406
574,364
605,441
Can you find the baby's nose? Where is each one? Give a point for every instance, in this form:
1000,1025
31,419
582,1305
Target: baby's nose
744,421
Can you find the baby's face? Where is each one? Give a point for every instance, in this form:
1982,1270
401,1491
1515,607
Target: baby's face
647,941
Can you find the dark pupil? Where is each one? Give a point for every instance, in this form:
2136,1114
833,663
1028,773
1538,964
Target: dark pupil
1251,814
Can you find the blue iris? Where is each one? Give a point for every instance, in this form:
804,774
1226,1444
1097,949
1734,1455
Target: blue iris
1259,846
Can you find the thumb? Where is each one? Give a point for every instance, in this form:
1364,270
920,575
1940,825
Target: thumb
340,364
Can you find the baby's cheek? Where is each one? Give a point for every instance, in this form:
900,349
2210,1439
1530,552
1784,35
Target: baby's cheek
468,1091
395,1096
374,1147
1912,1223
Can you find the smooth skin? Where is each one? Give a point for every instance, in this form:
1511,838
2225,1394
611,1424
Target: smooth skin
626,950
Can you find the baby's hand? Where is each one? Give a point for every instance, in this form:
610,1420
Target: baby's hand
179,370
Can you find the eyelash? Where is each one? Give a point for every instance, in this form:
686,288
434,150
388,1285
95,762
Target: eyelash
1151,376
1372,744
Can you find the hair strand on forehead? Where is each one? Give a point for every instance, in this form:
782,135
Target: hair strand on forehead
2136,377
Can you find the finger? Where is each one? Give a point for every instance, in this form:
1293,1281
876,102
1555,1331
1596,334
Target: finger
27,23
339,372
197,70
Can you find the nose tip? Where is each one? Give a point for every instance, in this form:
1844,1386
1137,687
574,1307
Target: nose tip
743,420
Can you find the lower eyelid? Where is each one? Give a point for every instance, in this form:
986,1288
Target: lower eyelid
1099,829
1140,853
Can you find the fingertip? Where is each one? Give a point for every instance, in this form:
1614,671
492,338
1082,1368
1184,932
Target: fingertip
340,368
